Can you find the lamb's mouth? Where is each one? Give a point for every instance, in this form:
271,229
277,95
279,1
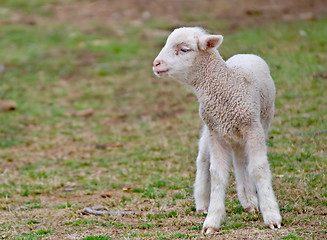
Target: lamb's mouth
162,72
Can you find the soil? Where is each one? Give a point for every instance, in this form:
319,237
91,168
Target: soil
234,13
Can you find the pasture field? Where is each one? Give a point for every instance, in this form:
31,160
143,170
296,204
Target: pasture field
94,127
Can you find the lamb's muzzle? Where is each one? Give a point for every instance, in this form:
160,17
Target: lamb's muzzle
159,68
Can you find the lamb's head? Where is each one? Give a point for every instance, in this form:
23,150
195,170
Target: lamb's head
183,46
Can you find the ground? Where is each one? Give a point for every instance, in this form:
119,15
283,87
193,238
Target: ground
93,127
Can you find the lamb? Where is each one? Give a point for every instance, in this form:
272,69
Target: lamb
236,105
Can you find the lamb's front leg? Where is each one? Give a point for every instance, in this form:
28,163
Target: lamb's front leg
220,159
202,180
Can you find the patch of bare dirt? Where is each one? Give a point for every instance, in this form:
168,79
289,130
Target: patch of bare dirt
235,13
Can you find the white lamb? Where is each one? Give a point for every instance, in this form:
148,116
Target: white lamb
236,105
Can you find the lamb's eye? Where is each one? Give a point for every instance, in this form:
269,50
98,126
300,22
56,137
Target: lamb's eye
184,50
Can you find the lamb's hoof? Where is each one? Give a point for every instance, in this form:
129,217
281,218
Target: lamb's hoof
272,219
202,211
252,209
209,230
275,226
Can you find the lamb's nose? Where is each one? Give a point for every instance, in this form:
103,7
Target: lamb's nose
156,63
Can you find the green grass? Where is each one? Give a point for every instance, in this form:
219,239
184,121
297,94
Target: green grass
81,222
142,132
31,6
39,234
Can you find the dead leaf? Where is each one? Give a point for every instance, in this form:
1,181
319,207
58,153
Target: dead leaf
127,189
320,75
108,146
7,105
106,195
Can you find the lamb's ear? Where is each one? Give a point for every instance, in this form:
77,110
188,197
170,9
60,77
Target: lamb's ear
210,41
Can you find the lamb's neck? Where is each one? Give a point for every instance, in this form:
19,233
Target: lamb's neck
210,77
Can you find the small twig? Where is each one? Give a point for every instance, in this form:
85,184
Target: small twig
96,211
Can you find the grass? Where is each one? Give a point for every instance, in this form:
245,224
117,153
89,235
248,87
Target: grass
139,142
29,7
99,237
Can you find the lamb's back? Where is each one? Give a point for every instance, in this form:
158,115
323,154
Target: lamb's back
250,64
260,82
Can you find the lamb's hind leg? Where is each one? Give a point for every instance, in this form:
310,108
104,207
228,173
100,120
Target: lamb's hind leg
260,174
245,186
202,180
